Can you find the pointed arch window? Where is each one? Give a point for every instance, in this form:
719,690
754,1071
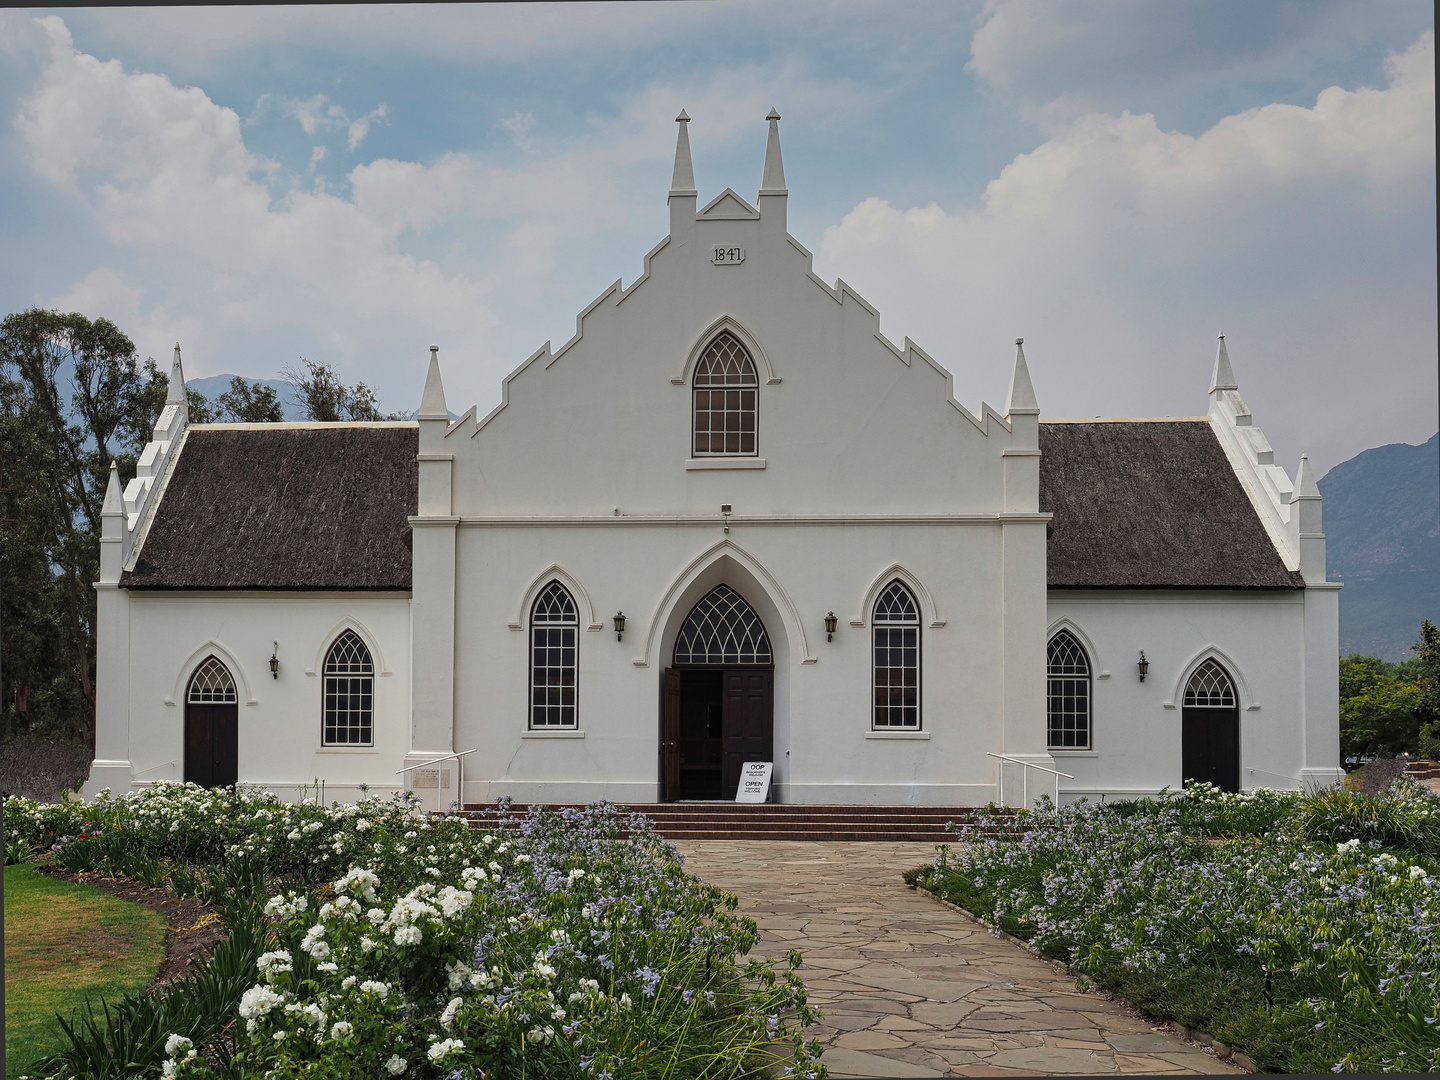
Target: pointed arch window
722,629
1210,688
726,398
554,630
212,684
349,693
895,631
1068,672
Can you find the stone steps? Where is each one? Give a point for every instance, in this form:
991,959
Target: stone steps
769,821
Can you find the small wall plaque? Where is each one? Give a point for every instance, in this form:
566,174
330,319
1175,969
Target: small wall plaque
727,256
754,782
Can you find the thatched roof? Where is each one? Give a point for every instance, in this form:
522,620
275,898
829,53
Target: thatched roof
313,507
1150,504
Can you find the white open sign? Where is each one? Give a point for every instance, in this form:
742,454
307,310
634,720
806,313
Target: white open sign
754,781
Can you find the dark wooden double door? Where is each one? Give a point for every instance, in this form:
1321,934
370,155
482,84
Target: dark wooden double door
1210,747
212,744
713,721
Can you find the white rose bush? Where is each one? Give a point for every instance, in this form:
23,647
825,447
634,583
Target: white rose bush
1304,929
382,943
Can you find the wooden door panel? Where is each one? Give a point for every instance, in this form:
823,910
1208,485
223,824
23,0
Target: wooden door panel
749,722
212,750
670,736
1210,747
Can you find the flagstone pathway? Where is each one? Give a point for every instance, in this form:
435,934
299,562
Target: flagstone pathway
912,988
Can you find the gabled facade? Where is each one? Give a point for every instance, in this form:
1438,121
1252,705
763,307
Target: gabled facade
727,521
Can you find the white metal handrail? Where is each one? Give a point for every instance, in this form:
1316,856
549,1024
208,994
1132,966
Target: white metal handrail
459,772
1024,776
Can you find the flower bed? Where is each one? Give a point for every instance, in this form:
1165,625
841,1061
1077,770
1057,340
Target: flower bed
392,945
1303,929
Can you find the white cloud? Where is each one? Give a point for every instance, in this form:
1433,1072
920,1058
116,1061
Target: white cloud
1115,246
170,181
358,129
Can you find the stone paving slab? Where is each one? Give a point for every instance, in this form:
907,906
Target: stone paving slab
912,988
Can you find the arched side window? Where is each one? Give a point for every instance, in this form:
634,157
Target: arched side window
1068,671
554,628
212,684
1210,688
896,636
722,629
726,395
349,693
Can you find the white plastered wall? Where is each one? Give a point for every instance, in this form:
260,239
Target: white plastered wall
1259,637
280,719
825,750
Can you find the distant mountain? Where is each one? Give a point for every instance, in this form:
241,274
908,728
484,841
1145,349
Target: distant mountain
216,385
1382,529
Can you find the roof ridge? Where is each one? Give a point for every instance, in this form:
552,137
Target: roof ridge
1125,420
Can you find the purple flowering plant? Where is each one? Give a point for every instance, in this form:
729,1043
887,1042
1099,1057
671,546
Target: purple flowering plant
1344,934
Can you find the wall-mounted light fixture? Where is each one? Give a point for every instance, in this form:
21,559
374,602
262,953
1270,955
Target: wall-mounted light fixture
1143,665
725,510
619,624
830,623
275,661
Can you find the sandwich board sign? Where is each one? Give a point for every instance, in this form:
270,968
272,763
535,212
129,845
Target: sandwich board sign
754,782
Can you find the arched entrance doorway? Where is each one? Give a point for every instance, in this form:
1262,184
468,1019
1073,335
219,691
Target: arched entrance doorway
212,722
718,710
1210,729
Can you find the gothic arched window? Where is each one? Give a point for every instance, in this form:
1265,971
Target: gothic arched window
722,629
1210,688
554,625
211,684
349,692
896,637
726,395
1068,672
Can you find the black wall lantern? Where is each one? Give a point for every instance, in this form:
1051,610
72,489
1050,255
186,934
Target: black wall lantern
830,623
619,624
1143,665
275,661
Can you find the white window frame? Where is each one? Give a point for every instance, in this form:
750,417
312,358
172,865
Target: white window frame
885,625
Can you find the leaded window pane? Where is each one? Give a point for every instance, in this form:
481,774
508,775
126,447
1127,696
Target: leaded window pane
212,683
1068,705
1210,688
722,629
554,634
349,692
896,659
726,399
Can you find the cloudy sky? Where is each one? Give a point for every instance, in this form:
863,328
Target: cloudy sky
1115,181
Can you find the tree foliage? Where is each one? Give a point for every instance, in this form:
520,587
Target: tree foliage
245,402
1390,709
326,398
73,398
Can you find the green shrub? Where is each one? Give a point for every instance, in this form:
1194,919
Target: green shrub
1406,817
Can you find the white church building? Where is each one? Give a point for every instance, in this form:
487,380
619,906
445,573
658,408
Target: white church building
727,521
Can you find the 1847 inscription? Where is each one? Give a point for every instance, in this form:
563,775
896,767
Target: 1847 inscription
727,256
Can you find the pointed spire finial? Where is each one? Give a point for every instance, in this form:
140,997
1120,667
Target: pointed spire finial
1305,486
114,500
175,393
1222,378
432,401
682,181
1021,398
772,182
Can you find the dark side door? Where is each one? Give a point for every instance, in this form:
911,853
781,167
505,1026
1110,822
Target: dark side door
1210,747
212,744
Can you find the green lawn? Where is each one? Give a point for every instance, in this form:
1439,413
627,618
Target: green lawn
62,942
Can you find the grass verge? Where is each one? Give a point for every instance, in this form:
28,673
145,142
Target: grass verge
64,942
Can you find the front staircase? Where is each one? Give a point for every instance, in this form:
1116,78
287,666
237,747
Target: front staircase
772,821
